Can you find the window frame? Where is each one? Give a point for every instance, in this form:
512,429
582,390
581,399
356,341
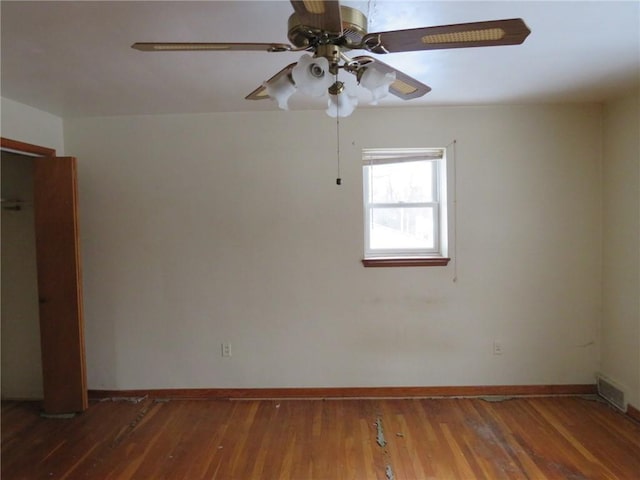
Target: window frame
435,256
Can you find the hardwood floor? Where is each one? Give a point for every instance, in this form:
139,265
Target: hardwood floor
524,438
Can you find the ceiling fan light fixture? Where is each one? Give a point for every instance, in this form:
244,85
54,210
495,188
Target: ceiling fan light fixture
341,105
377,82
484,35
311,75
280,89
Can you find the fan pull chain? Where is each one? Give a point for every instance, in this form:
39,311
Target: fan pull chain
338,179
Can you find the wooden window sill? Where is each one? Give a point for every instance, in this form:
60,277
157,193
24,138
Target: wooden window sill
406,262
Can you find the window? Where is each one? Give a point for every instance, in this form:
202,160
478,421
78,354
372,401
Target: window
405,215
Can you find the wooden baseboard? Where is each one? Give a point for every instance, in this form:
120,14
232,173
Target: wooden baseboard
347,392
633,412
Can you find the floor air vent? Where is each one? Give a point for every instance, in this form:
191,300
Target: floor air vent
612,392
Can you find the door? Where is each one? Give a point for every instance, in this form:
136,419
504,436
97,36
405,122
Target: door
59,285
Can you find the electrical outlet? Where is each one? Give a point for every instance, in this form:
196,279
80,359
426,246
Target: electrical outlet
497,347
226,349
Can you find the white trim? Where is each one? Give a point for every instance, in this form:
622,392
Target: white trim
437,158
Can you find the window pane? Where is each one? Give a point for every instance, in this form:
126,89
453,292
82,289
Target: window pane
401,228
402,182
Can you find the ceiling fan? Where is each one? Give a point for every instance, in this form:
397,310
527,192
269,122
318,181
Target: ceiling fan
326,30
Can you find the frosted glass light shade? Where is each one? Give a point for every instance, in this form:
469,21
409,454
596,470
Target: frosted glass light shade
311,75
280,90
341,105
377,83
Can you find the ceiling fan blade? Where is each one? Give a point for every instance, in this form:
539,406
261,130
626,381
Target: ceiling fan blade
260,93
203,46
321,14
477,34
404,86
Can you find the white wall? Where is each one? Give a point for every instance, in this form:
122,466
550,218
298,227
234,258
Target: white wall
621,259
27,124
201,229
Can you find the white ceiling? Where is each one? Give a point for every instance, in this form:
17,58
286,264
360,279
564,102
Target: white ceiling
74,58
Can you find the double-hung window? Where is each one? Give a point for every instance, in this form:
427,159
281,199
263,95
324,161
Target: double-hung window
405,206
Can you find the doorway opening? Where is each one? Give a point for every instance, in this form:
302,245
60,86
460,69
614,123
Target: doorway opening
21,353
42,193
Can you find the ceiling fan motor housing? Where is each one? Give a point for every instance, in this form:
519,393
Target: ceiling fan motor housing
354,28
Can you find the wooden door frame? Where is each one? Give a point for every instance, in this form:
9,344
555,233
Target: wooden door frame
22,147
16,146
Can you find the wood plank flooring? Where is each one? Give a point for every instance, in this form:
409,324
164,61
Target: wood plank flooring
522,438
